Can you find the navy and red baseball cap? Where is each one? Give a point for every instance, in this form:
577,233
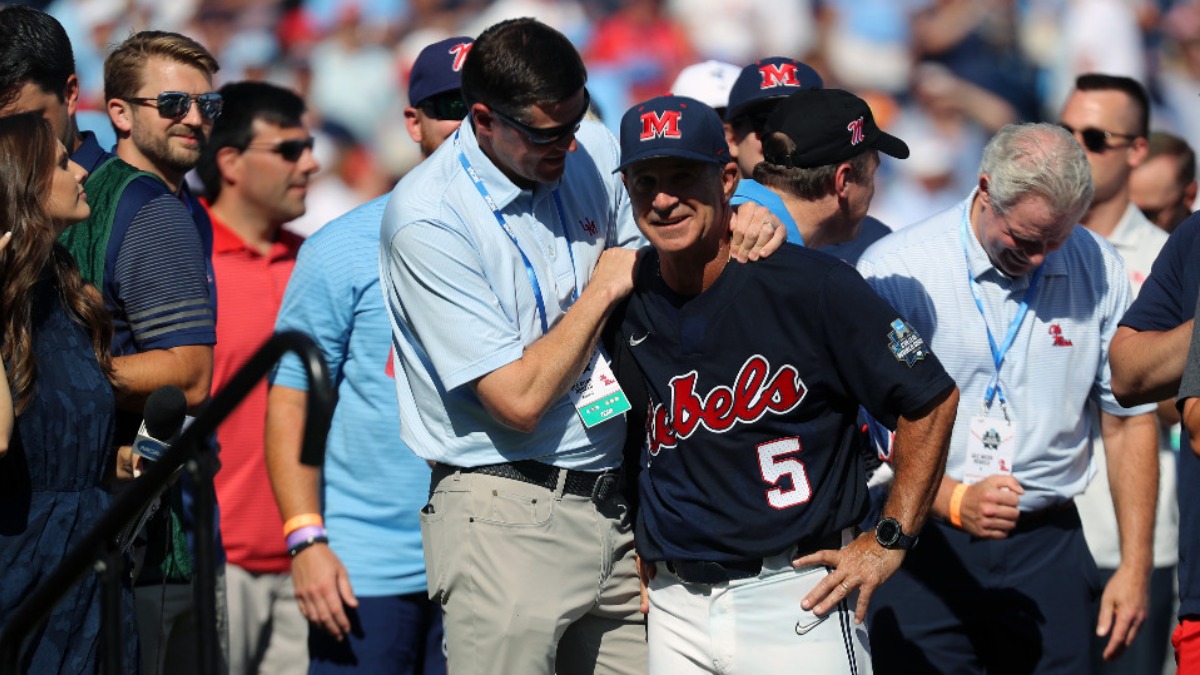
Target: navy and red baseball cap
827,126
672,126
438,69
766,79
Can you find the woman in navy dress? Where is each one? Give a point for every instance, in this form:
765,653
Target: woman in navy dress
54,337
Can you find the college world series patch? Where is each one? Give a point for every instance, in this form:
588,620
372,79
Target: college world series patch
906,345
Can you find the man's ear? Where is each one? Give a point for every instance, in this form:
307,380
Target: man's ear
730,175
412,123
1139,149
71,94
843,176
120,113
229,165
485,121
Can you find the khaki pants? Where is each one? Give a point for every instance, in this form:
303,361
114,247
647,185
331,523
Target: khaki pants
533,581
267,633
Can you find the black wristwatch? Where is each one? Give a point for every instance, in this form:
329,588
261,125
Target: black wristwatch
889,534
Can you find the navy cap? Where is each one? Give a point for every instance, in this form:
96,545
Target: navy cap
767,79
827,126
438,69
672,126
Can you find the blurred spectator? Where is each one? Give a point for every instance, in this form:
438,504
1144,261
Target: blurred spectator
867,44
641,45
1097,36
1178,78
741,31
354,78
709,82
1164,186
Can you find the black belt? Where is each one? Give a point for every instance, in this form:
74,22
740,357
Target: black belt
712,572
1031,519
598,486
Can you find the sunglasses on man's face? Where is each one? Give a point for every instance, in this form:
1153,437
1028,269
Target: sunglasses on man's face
445,107
1096,140
550,135
176,104
290,150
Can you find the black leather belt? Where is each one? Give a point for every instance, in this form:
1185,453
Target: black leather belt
598,486
712,572
1031,519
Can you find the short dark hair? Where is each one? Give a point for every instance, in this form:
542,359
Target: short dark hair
1129,86
245,102
808,184
1170,145
521,62
33,48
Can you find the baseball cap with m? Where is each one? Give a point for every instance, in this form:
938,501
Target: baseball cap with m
826,126
769,79
672,126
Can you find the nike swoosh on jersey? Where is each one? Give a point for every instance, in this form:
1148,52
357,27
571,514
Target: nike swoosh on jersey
633,342
804,628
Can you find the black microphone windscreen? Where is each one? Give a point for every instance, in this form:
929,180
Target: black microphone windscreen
164,412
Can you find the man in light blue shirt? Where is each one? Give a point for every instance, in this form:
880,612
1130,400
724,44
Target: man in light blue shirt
1020,304
364,592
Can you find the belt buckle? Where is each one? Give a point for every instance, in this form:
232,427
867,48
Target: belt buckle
604,487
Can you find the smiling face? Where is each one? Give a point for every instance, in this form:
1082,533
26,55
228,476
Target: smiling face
1018,241
681,205
168,146
67,202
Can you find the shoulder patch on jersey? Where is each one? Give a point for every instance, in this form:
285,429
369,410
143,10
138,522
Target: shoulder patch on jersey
906,345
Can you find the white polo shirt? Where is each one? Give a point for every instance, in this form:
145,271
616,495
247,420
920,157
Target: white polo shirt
1058,363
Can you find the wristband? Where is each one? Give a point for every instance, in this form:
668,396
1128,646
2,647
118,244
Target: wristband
304,533
956,498
303,520
293,551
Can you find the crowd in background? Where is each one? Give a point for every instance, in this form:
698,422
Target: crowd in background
945,74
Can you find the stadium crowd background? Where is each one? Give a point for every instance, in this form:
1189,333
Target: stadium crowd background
944,74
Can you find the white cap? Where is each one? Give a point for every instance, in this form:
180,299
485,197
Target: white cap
708,82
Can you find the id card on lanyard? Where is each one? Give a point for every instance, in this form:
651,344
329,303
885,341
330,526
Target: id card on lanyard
992,441
596,395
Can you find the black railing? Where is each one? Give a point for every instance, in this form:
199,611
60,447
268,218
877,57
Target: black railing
97,550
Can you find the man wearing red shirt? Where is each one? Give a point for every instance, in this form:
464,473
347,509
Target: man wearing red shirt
255,171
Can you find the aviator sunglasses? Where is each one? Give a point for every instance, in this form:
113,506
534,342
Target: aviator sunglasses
549,135
290,150
176,104
1096,140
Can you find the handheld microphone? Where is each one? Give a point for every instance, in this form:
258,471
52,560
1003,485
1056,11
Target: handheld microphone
165,411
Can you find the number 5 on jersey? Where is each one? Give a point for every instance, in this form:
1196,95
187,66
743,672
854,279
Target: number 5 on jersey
776,460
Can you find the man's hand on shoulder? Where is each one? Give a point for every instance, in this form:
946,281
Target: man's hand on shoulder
755,232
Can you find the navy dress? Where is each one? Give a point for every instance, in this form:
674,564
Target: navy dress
51,490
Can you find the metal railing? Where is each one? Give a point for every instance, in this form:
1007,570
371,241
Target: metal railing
97,550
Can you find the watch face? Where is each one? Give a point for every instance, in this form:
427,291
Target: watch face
888,532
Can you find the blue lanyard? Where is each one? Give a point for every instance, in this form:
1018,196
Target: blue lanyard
491,204
998,353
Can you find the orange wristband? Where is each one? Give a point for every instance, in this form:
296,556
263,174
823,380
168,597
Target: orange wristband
956,498
303,520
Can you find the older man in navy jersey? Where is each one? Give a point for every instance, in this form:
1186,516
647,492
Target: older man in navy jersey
751,482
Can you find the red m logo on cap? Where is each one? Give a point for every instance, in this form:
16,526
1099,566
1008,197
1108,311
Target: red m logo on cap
460,54
778,75
856,131
661,125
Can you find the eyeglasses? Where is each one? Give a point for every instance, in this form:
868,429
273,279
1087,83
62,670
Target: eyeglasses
176,104
290,150
449,106
1096,140
551,135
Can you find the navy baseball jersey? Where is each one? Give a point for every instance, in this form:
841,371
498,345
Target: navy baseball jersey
754,389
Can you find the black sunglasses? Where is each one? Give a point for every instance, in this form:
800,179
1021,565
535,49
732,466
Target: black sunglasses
290,150
176,104
448,106
551,135
1096,140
